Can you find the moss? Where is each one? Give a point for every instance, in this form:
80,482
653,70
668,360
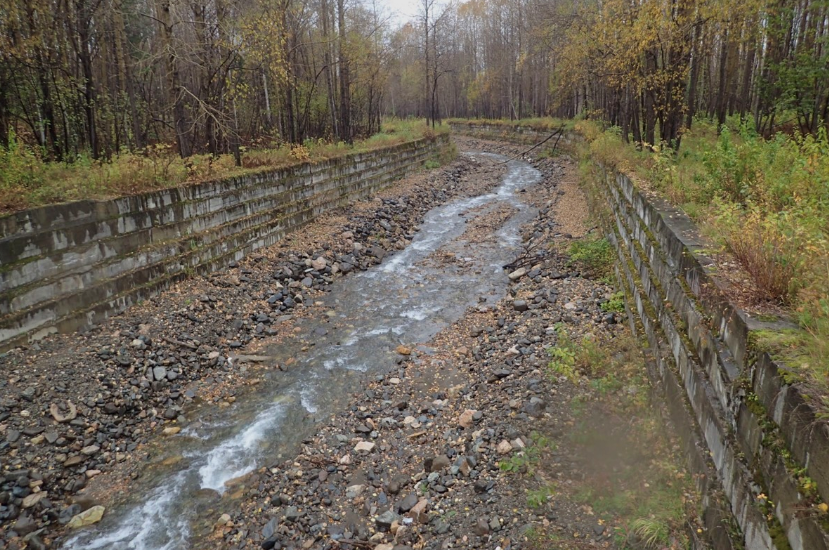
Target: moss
783,345
778,535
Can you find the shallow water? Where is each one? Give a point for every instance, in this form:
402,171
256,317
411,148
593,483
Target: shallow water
404,299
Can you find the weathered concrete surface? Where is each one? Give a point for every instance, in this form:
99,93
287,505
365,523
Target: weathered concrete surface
70,265
752,439
519,134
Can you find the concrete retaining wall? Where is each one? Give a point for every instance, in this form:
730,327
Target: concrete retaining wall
71,265
516,134
757,446
752,431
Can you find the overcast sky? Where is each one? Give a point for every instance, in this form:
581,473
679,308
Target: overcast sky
400,10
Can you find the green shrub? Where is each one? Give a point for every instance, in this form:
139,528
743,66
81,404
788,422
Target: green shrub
615,304
594,254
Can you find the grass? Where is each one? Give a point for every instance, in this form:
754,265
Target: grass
616,303
634,480
28,180
524,461
764,201
573,359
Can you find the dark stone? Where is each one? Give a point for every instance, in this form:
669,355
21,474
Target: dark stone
407,503
385,520
292,513
436,464
481,527
68,513
501,373
24,525
270,528
535,407
481,486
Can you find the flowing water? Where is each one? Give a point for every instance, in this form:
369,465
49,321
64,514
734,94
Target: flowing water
404,299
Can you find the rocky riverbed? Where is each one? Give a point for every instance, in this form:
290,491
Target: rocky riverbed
422,458
415,459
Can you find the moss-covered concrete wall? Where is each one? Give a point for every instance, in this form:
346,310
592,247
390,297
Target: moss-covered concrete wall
757,433
71,265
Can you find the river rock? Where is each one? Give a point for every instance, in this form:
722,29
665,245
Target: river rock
354,491
407,503
418,511
517,274
481,527
384,521
73,461
33,499
466,418
535,407
364,447
24,525
89,517
270,528
69,512
319,263
504,447
90,450
436,464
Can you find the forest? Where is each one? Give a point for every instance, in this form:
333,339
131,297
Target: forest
98,77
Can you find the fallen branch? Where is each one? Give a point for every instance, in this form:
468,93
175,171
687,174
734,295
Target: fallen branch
179,343
559,133
359,543
251,358
526,257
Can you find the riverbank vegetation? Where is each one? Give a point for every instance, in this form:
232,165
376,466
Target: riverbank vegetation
29,179
764,201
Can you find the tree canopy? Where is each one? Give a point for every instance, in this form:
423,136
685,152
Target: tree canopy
99,76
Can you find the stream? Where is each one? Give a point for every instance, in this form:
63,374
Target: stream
405,299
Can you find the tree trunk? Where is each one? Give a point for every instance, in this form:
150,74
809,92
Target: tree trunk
721,91
345,84
173,78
